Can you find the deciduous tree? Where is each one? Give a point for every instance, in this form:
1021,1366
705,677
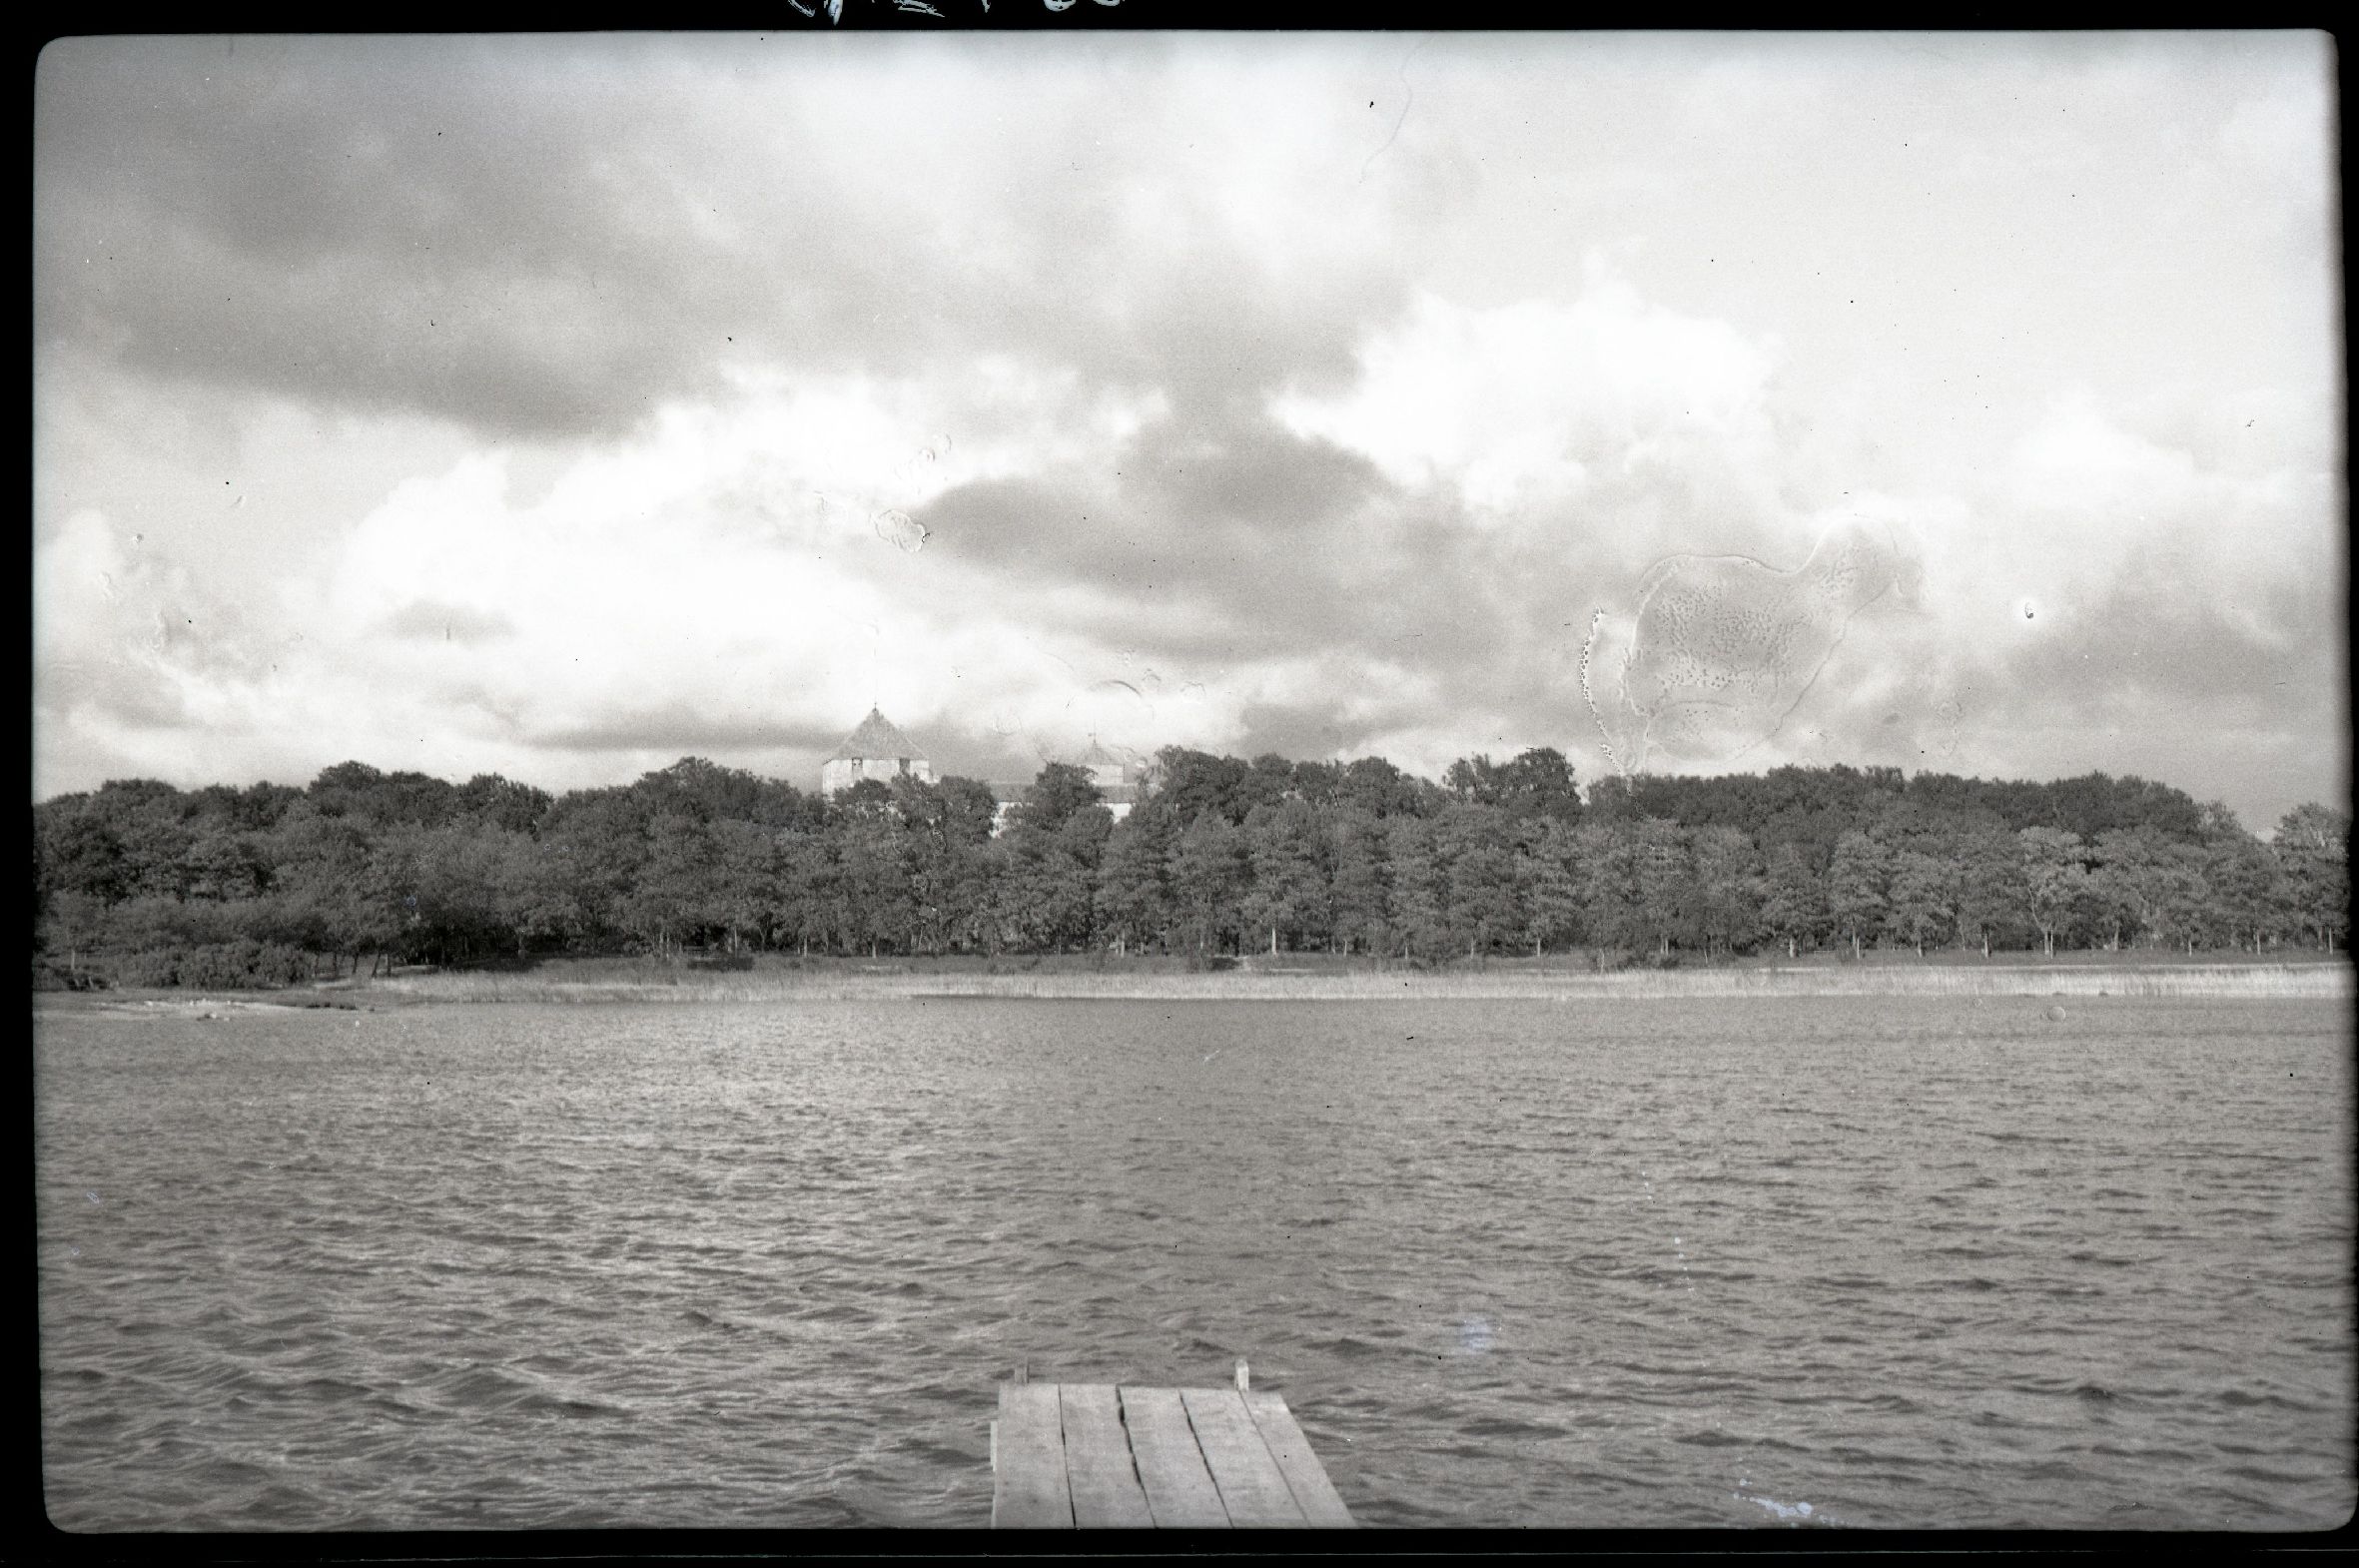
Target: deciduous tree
1286,893
1859,874
2054,876
1924,896
2313,848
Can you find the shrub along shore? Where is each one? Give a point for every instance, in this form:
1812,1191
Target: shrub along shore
643,981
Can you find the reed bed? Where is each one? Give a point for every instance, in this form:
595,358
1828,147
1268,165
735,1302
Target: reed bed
2223,981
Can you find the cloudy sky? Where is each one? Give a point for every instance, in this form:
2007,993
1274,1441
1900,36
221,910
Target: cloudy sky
562,408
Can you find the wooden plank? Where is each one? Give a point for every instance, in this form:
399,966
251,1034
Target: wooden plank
1105,1490
1305,1477
1180,1490
1252,1488
1028,1489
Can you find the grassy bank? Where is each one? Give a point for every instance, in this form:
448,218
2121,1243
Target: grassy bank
593,982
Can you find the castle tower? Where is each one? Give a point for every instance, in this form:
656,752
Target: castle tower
876,749
1105,769
1115,776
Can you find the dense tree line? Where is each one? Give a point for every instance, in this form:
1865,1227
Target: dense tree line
140,883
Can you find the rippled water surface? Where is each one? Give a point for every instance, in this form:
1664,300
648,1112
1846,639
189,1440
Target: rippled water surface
1877,1261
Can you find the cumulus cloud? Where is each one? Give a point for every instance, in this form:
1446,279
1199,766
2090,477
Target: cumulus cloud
561,406
1534,403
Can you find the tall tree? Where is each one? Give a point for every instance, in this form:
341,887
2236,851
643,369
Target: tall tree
1924,896
1857,877
599,840
1357,879
1287,894
1421,887
149,820
674,895
74,923
2054,876
1478,848
322,868
2185,904
1134,897
1054,796
2129,869
1268,780
1534,783
77,851
517,808
875,905
1539,783
1210,873
1989,884
1551,888
1381,790
808,886
1794,901
2248,898
2313,849
1668,906
223,864
1604,868
745,881
1188,784
1730,887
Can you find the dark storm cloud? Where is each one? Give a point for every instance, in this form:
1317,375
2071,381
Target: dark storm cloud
1181,501
1214,541
2147,646
1208,537
424,225
683,727
1250,470
126,693
551,237
1299,730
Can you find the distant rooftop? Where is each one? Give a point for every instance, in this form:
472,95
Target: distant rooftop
1098,757
876,736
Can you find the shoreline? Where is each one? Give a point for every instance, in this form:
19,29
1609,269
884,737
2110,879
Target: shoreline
2225,980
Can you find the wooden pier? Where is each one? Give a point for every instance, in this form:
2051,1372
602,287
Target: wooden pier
1106,1457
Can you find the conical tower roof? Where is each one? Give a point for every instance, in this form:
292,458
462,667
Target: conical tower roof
877,736
1098,757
